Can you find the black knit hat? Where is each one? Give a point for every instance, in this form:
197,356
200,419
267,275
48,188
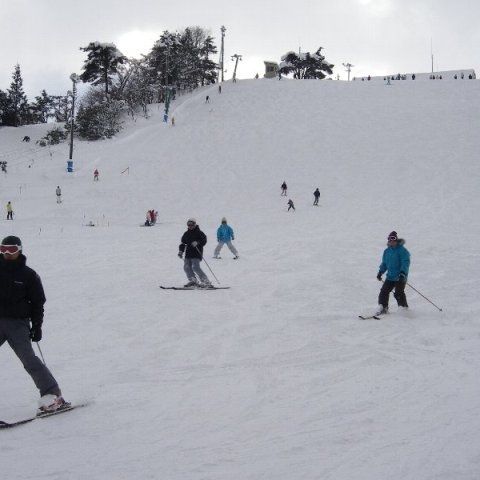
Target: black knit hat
12,240
392,236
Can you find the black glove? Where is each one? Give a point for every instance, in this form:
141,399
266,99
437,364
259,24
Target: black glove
36,332
402,277
180,254
379,276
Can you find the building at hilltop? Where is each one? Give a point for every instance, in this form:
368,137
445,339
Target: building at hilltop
271,69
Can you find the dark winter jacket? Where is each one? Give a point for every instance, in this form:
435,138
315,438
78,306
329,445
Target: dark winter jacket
21,291
316,193
194,235
395,260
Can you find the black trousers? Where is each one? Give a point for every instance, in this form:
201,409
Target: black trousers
399,293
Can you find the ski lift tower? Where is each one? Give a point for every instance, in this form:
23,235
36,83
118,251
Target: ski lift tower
348,68
235,57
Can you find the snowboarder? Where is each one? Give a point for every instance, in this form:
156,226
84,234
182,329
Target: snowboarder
396,262
316,194
290,205
9,211
284,189
193,241
95,175
225,236
58,192
21,317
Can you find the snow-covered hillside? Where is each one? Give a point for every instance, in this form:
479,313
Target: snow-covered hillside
275,378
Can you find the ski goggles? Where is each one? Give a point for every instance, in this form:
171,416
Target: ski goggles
392,239
191,224
11,249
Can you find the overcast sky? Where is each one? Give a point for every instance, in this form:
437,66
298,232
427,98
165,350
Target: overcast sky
377,36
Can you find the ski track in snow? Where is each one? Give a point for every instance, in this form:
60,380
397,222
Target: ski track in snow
275,378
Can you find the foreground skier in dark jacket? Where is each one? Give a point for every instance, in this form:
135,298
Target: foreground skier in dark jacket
21,303
193,241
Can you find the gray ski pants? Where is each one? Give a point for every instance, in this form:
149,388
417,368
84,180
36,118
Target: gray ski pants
192,268
16,332
220,246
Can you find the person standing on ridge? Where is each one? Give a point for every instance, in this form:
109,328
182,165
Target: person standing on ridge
225,236
193,241
316,194
284,189
9,211
396,262
21,304
58,192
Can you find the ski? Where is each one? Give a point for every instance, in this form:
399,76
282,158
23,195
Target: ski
193,288
370,317
67,408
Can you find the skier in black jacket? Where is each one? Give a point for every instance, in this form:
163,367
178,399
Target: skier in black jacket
193,241
21,302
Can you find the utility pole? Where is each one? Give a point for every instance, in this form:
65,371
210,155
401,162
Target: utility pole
431,51
74,78
348,68
236,58
222,50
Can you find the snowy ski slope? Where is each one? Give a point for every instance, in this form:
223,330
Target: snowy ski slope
275,378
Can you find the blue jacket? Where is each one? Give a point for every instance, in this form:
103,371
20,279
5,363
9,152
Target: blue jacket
225,233
395,260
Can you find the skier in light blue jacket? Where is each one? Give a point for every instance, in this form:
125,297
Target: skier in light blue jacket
396,262
225,236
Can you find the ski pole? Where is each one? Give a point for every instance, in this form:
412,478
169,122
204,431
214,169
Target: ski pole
413,288
208,265
41,354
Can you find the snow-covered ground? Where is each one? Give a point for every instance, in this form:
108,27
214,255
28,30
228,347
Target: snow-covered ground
275,378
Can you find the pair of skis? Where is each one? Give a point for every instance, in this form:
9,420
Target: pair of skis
369,317
67,408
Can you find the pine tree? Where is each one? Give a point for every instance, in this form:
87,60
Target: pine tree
43,107
3,107
102,63
208,67
17,108
305,65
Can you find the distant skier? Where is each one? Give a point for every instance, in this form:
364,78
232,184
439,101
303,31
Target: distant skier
290,205
284,189
219,89
173,121
207,99
225,236
9,211
193,241
316,195
95,175
21,304
58,193
396,262
151,218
